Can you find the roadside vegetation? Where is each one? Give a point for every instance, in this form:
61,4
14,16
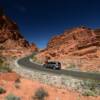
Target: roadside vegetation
40,94
5,69
91,88
12,97
2,90
17,83
3,66
34,58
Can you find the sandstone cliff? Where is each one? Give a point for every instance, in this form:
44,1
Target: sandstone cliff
10,37
77,43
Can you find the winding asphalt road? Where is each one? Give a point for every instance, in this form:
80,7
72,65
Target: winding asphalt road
24,62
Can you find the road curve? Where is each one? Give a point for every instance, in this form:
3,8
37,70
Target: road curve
24,62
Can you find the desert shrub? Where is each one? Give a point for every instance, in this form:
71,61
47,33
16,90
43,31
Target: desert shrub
34,58
2,90
17,80
12,97
39,62
88,93
91,88
89,84
5,69
17,83
40,94
1,62
33,54
4,66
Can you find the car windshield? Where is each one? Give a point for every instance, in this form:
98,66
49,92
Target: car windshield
51,63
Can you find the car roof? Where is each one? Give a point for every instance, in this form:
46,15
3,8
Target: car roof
53,62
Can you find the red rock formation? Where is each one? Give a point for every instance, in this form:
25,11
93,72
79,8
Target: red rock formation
77,42
10,37
75,39
33,47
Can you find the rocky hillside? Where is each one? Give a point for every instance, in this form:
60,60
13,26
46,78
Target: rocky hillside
10,37
75,39
76,43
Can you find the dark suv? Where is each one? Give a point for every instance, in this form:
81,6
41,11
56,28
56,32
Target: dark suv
53,65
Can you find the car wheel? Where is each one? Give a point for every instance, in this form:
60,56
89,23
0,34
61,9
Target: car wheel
44,66
59,68
54,67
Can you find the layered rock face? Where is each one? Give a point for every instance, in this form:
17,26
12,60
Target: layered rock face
76,39
80,42
10,37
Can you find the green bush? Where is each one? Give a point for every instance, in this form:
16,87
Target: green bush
40,94
17,83
90,84
88,93
34,58
12,97
5,69
2,90
18,80
91,88
33,55
1,62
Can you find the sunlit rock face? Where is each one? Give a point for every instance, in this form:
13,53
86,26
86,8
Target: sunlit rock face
10,37
80,42
76,39
73,40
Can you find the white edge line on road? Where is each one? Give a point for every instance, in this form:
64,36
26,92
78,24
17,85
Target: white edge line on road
16,63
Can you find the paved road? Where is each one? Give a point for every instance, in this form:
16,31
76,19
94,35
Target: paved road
24,62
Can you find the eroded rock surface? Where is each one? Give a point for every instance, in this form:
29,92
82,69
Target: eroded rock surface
78,43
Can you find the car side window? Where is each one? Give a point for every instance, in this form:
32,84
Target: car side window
51,63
